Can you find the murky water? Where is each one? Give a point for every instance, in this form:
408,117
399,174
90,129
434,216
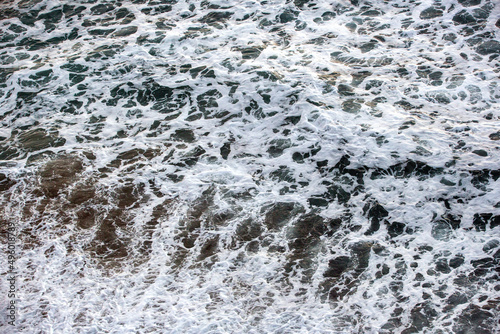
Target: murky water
251,166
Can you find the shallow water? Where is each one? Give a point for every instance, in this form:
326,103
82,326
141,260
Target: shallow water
251,167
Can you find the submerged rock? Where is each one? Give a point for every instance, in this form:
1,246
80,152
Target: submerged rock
431,12
469,3
250,53
351,106
279,214
337,266
185,135
475,319
483,220
59,173
127,31
375,213
216,17
5,182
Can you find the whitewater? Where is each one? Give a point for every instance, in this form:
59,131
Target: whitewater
224,166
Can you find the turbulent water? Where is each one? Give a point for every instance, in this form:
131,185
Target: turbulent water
229,166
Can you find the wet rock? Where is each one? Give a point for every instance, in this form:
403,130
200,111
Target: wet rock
488,47
57,174
127,31
431,12
337,266
279,214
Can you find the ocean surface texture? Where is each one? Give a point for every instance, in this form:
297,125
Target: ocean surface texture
240,166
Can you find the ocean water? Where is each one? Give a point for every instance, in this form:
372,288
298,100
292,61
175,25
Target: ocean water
228,166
